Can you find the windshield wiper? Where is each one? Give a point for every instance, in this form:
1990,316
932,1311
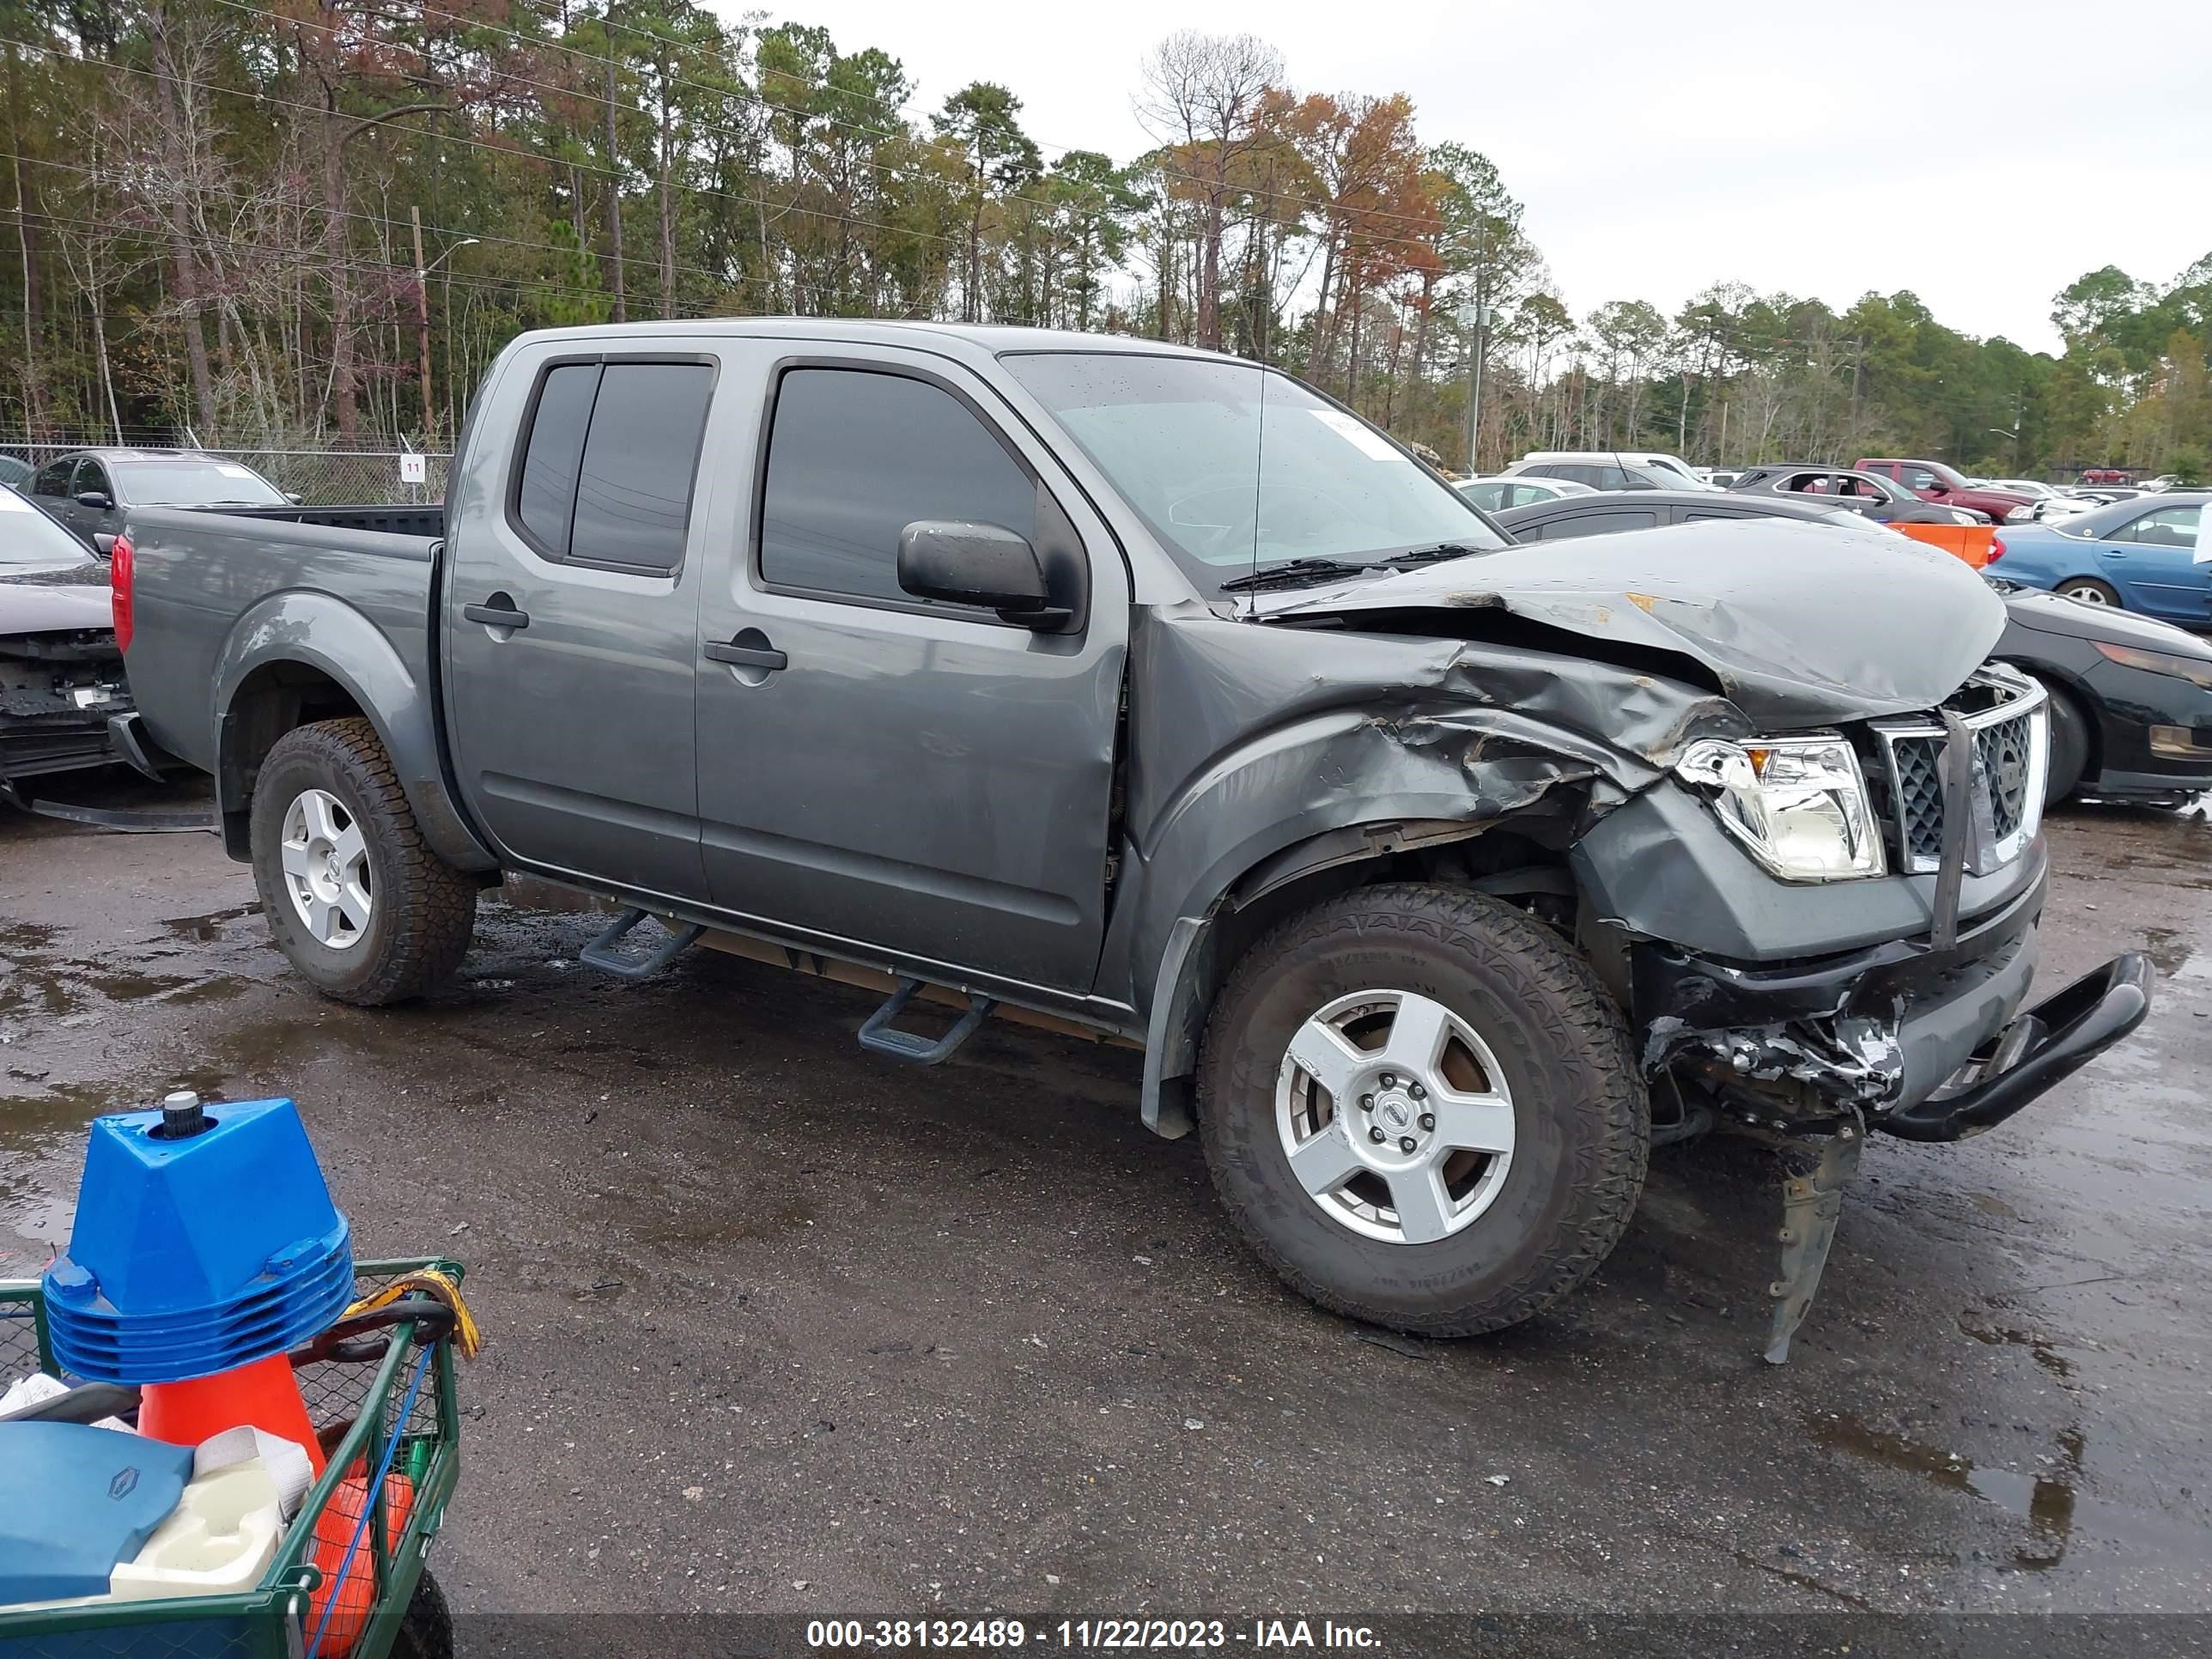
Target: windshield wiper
1293,573
1431,554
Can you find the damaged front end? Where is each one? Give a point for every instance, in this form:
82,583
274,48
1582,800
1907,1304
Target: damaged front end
57,692
1919,1032
1798,823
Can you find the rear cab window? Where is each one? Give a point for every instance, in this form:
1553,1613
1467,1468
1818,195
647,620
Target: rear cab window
610,461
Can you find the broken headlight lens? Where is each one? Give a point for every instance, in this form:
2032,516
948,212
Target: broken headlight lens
1798,805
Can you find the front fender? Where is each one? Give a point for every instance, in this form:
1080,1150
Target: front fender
318,631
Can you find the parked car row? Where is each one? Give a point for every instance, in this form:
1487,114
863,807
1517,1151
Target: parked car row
2130,696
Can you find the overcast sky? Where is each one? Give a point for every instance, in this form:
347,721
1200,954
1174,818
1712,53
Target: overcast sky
1981,153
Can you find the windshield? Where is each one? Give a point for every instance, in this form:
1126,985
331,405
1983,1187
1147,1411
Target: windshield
1234,466
193,484
1658,476
28,537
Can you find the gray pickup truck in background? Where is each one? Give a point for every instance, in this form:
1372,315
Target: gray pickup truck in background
1120,685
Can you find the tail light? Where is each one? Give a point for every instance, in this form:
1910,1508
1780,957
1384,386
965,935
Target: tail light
118,580
1996,548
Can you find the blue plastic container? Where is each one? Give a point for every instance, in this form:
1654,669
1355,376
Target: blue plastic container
195,1254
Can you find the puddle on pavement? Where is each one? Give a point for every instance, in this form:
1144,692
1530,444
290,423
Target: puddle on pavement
40,1141
207,929
2046,1502
2041,1349
2167,948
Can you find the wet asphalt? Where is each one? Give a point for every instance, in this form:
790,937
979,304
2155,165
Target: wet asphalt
773,1326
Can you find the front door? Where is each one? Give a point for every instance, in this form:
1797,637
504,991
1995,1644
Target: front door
571,616
921,779
2153,558
97,525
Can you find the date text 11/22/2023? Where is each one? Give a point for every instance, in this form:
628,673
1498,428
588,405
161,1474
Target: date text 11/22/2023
1156,1635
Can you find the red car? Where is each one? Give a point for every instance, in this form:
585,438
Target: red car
1932,481
2107,475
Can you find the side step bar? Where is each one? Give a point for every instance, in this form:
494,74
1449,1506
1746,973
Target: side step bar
604,953
878,1036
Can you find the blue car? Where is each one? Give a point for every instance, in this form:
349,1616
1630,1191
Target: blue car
2141,554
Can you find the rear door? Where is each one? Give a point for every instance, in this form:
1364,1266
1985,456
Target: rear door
922,780
572,595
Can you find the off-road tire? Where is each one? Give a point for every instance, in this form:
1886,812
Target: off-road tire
1581,1118
426,1629
424,914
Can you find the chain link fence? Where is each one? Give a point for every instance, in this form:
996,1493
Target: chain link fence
320,477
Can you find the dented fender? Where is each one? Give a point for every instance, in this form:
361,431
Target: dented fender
1246,742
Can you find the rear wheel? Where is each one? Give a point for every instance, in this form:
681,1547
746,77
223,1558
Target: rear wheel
1421,1110
353,894
2088,591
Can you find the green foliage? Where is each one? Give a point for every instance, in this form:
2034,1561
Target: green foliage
214,231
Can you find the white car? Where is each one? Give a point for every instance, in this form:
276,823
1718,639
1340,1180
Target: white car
1496,494
1669,467
2072,503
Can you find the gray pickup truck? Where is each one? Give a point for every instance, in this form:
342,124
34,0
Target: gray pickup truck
1093,681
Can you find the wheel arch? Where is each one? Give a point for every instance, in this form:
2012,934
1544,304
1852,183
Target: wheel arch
1497,856
297,658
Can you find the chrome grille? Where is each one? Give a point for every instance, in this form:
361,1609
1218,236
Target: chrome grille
2003,714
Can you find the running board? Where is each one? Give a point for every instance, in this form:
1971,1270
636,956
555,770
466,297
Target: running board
604,953
879,1037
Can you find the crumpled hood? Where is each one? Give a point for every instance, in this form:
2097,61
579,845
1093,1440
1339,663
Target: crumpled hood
55,599
1800,624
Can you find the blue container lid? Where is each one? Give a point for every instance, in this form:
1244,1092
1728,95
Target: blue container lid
73,1501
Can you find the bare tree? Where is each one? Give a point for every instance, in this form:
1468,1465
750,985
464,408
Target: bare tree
1201,96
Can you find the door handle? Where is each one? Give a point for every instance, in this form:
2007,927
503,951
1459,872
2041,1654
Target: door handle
746,656
501,614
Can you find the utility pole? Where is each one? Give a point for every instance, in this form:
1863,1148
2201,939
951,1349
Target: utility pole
422,316
423,327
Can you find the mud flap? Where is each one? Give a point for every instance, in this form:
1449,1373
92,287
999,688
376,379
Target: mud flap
1813,1184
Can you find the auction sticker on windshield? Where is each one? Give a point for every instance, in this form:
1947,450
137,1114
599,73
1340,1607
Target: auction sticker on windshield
1356,433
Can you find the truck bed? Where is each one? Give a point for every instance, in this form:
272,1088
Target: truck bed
353,579
397,521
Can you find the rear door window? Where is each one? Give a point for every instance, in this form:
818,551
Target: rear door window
1600,524
855,456
52,479
610,461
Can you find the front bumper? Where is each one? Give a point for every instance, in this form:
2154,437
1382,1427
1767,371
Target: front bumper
1927,1041
2048,1043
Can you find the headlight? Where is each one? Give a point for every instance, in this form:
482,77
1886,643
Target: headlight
1959,515
2159,662
2023,513
1798,805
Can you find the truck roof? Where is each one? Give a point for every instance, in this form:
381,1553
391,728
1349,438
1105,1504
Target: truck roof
985,339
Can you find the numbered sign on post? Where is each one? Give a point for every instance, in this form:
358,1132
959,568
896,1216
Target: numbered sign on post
413,469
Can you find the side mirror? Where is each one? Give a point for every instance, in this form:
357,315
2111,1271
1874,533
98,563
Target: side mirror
980,564
104,544
97,501
1938,489
295,498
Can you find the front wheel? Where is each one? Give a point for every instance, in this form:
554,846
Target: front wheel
353,894
1421,1108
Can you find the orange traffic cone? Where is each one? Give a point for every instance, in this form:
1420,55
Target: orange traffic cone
355,1597
263,1394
